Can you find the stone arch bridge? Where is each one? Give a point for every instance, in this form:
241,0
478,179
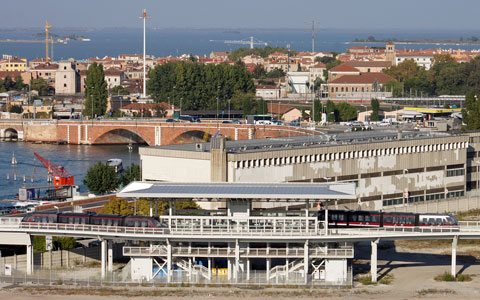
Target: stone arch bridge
151,132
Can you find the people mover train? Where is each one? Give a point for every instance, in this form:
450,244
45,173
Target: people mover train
92,219
359,218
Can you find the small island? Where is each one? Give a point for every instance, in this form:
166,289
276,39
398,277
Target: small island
460,41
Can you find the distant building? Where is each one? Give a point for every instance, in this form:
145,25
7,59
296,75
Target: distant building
14,64
67,80
362,86
267,92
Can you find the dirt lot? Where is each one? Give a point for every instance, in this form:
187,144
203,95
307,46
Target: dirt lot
412,268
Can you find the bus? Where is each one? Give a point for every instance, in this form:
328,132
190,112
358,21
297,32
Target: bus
261,119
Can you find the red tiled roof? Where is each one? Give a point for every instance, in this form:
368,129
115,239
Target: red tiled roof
364,78
319,66
12,74
344,68
374,64
46,67
281,109
266,87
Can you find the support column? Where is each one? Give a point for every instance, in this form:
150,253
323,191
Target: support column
454,256
373,261
326,217
268,267
307,207
306,261
210,268
169,262
29,259
237,259
110,256
103,250
248,269
151,208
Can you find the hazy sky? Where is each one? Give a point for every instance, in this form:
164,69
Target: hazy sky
360,14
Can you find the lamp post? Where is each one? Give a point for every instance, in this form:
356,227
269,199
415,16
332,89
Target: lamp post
218,91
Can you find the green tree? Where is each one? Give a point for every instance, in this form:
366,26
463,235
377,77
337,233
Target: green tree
130,174
395,87
317,110
346,111
95,91
259,72
16,109
101,179
63,243
330,108
41,86
39,243
118,206
374,116
19,85
262,107
8,83
118,90
276,73
471,112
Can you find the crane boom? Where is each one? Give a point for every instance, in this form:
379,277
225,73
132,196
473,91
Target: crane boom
59,174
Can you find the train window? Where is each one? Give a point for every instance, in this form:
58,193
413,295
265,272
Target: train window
438,221
354,218
395,220
376,219
431,221
341,217
367,218
360,218
334,217
388,219
51,219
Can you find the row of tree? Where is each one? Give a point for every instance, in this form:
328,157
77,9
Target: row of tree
445,77
198,86
101,178
9,84
263,52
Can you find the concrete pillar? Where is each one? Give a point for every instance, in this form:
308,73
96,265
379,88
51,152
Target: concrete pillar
307,206
169,262
170,214
287,268
110,256
229,268
103,250
306,261
237,259
210,268
29,259
373,261
151,208
248,268
326,217
190,269
454,256
268,267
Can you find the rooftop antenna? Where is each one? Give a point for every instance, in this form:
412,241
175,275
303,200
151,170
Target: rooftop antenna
144,17
51,40
313,36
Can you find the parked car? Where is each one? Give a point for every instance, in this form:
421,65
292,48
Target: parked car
236,122
295,123
170,121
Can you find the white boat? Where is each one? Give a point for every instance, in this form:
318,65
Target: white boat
115,163
14,160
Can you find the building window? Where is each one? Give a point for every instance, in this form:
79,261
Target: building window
64,85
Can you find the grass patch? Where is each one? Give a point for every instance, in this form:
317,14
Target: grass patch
426,292
387,279
450,278
366,280
473,214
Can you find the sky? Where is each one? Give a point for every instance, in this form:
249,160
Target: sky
418,15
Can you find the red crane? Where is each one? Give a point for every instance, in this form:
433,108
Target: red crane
59,174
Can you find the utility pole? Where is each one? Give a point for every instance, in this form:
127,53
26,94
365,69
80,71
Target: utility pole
144,17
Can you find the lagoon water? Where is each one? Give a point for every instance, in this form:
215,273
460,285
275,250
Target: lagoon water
76,159
164,42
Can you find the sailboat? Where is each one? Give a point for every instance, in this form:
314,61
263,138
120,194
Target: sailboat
14,159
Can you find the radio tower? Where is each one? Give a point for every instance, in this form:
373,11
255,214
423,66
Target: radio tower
144,17
47,27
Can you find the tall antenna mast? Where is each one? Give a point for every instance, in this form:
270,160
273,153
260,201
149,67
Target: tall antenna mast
144,17
313,36
47,27
51,40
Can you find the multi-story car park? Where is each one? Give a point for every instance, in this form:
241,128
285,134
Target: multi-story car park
390,168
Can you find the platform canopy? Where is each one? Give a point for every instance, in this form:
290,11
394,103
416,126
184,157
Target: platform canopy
253,191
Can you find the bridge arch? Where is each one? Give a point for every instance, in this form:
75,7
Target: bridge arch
10,134
191,136
119,136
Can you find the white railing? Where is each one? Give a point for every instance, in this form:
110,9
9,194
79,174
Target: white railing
251,225
93,228
10,221
394,230
469,225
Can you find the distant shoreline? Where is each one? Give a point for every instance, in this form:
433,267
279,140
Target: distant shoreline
418,42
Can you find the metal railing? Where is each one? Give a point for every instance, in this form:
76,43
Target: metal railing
230,252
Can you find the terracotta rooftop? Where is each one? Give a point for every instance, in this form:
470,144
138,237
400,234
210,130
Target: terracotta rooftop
359,64
344,68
